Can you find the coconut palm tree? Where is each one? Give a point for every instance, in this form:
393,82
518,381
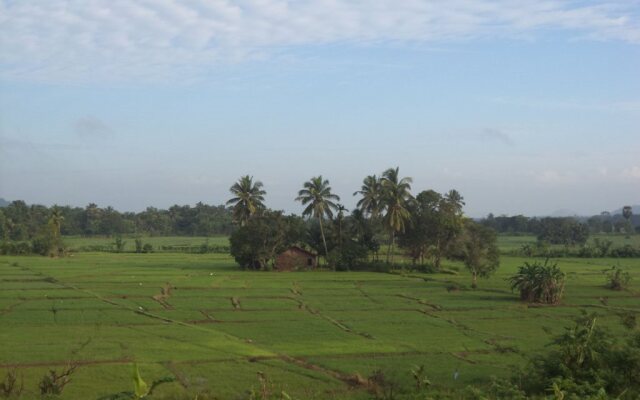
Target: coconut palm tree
339,218
248,199
396,195
319,201
371,191
55,222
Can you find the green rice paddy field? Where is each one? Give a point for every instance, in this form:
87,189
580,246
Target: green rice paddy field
308,332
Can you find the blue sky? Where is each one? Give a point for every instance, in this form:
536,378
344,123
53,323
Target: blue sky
525,108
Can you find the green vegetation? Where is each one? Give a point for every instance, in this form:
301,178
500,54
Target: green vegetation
248,199
539,283
312,334
180,308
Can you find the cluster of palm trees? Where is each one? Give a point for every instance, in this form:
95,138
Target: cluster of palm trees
386,197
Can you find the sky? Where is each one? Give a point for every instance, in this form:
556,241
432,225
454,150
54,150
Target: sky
524,107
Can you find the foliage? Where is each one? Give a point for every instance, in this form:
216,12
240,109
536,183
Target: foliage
599,248
10,387
371,192
319,201
118,244
565,231
396,196
21,222
617,278
381,386
419,375
248,199
436,223
141,390
539,283
478,250
256,244
53,382
587,362
349,255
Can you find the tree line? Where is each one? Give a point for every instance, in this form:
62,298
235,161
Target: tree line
20,222
605,222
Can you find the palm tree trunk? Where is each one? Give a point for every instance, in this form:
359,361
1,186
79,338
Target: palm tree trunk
324,242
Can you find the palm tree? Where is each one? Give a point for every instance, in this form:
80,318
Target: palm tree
248,198
55,222
318,199
396,195
371,192
340,217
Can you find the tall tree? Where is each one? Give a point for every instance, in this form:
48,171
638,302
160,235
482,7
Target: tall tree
371,192
55,223
248,199
626,213
450,224
339,220
479,250
319,201
396,195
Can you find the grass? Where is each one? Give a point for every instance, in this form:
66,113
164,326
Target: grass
76,243
511,243
307,331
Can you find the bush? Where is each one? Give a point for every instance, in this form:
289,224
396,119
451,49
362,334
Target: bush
587,362
373,266
147,248
42,245
626,251
348,256
53,382
118,244
10,248
617,279
10,387
539,283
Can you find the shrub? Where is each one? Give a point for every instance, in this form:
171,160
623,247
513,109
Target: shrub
539,283
617,279
53,383
147,248
42,245
10,248
9,387
626,251
586,362
118,244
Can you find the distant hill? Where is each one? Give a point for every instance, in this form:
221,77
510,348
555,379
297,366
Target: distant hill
3,202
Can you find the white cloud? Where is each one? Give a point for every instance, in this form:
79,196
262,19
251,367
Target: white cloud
92,40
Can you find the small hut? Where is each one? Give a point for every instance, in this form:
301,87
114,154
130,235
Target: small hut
296,258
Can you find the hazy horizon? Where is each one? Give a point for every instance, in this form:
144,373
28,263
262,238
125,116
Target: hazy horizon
523,108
